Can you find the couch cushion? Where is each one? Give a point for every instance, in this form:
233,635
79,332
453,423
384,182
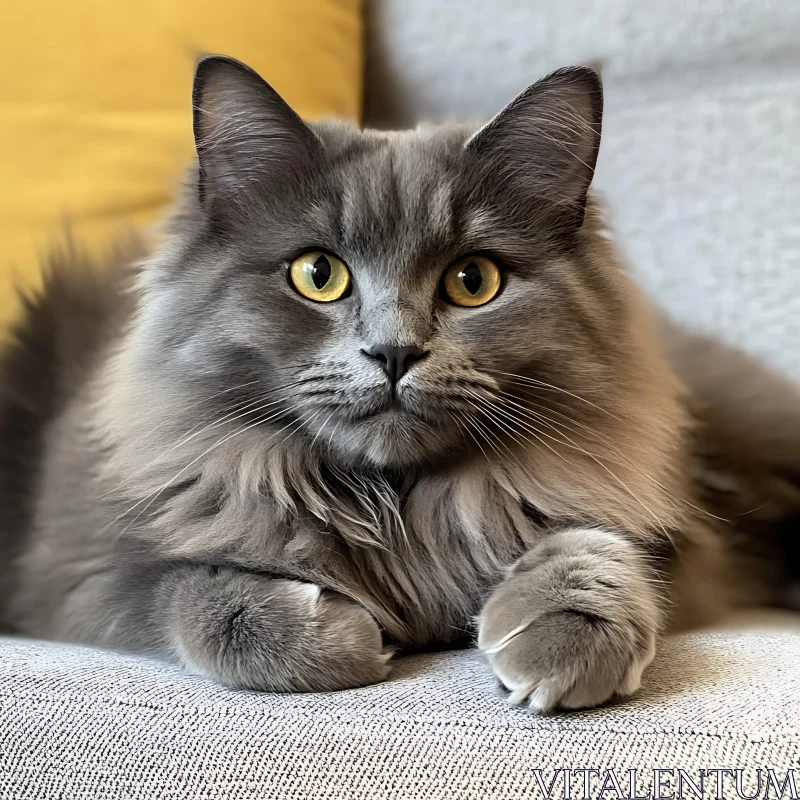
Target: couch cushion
699,155
89,725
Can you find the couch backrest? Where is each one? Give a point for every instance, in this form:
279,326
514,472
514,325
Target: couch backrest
701,145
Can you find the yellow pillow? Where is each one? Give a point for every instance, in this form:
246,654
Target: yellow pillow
95,105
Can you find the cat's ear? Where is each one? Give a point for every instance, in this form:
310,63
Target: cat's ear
243,130
548,138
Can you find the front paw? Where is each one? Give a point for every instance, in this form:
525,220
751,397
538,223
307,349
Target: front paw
271,634
574,624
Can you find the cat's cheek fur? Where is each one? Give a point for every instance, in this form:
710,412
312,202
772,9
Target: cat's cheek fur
251,631
574,624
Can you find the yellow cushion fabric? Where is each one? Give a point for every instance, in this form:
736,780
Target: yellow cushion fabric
95,105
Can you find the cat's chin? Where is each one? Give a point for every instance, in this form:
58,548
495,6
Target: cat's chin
393,438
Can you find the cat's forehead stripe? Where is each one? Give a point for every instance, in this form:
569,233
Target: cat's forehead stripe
384,193
440,209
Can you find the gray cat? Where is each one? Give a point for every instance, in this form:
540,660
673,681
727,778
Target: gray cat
372,389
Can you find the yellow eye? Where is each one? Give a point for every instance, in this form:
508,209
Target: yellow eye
319,276
473,281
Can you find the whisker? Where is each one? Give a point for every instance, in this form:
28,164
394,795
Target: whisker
511,399
223,440
533,432
465,427
508,450
605,441
485,433
333,432
201,401
600,464
226,417
536,382
322,427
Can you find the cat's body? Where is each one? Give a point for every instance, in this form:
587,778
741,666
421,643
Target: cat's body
198,462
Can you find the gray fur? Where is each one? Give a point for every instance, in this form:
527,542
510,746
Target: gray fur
575,622
204,465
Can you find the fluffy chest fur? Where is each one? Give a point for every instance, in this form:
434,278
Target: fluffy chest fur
420,551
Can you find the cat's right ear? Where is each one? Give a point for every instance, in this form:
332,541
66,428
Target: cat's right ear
244,131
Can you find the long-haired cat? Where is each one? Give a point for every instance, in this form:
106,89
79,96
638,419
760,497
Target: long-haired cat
372,389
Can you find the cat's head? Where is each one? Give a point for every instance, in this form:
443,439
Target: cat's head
376,292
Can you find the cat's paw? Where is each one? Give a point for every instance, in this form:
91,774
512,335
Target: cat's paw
253,632
574,624
352,641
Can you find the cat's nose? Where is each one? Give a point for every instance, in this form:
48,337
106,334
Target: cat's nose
395,360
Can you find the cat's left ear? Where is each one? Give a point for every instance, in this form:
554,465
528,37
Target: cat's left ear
548,138
243,129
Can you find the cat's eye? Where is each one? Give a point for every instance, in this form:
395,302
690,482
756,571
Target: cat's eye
319,276
472,281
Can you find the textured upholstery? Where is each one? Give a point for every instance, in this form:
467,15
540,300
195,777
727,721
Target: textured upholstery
699,156
87,725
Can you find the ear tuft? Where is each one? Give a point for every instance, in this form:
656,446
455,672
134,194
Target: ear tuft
548,138
244,131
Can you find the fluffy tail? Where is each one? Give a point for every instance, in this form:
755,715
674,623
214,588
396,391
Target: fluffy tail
42,360
748,459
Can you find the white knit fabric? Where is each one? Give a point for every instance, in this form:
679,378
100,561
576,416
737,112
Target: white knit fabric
700,143
86,725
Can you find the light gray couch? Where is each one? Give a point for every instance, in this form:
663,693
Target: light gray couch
85,725
701,168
